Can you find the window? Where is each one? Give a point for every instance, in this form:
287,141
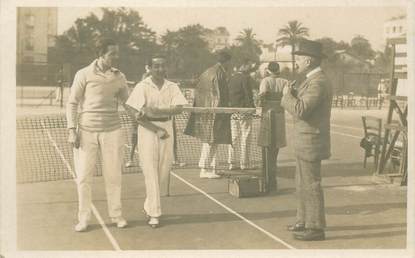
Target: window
394,29
28,59
30,20
29,43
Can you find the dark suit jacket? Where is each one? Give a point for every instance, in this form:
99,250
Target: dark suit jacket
240,91
211,91
311,109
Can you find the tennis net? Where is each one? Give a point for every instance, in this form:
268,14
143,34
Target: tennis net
43,153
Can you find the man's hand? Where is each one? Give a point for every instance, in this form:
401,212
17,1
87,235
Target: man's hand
149,111
73,138
139,115
288,88
162,133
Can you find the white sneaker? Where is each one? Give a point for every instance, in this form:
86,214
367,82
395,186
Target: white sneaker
129,164
204,173
232,167
120,221
153,222
81,226
213,175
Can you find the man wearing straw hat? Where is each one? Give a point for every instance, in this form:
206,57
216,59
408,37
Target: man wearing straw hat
310,106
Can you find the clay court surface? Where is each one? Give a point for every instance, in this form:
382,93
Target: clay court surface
362,213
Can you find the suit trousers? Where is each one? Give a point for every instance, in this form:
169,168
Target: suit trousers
109,145
270,165
240,128
156,158
310,197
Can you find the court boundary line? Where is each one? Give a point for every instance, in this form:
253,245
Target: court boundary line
346,134
340,133
346,127
275,238
110,237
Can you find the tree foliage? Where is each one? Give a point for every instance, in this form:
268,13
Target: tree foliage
187,51
361,47
136,41
290,34
246,47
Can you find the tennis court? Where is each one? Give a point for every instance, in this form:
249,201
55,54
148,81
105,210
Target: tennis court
200,213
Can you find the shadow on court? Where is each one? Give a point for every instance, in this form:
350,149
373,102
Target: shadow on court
360,214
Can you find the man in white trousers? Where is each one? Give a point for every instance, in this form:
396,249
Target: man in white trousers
96,91
156,100
240,95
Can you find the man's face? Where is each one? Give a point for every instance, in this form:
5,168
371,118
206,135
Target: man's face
227,65
302,63
111,56
158,68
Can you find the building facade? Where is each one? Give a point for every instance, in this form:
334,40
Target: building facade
37,28
217,38
395,31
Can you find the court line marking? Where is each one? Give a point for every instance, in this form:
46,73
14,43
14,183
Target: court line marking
340,133
346,134
110,237
347,127
275,238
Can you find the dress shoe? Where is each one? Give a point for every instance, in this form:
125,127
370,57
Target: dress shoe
310,235
297,227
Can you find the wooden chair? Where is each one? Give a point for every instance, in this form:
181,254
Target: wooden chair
372,127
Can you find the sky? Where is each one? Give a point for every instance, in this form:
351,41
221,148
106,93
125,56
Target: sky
339,23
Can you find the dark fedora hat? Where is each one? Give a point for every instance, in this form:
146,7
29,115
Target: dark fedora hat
305,47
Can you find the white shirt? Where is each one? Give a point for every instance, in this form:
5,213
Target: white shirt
147,94
315,70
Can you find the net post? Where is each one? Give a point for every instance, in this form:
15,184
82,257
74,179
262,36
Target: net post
269,154
61,94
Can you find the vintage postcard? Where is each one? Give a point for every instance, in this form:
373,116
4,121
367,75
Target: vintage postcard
207,128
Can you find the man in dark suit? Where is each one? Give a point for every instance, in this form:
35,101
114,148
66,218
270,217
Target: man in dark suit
310,106
212,129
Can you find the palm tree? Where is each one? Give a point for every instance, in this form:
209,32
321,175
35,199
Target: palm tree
246,36
248,43
290,34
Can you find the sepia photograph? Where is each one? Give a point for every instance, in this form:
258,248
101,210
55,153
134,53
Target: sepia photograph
206,128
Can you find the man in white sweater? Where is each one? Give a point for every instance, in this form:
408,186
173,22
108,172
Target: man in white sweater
97,90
